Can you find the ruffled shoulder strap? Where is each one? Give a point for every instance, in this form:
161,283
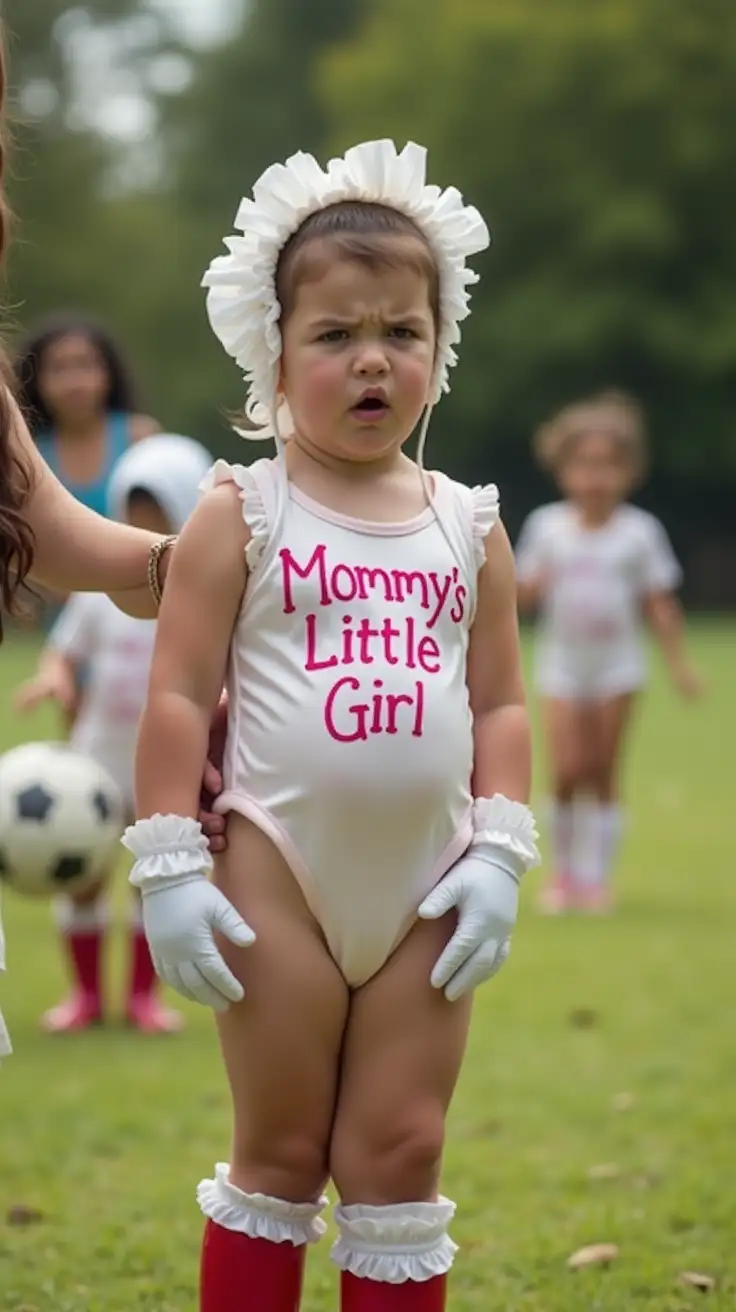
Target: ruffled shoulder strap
468,515
485,511
256,488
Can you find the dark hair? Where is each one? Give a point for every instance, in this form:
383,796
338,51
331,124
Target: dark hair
16,476
29,361
371,234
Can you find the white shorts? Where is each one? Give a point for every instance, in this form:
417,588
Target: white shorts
588,673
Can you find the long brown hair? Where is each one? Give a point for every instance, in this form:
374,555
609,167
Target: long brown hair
16,478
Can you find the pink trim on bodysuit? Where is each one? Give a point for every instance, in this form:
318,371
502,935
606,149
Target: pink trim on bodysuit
263,820
369,527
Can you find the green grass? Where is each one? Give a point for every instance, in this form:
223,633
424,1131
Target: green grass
107,1135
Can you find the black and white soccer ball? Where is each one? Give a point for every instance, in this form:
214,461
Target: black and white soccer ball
61,818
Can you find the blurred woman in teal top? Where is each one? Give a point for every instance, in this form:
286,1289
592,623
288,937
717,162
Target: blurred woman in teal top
76,395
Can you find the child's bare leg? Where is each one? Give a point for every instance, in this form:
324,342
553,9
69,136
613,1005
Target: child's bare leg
403,1050
610,721
567,731
281,1047
81,919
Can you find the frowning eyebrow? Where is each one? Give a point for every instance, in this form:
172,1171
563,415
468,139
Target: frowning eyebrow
411,320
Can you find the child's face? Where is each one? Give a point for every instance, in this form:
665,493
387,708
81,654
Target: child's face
143,512
73,378
596,471
353,332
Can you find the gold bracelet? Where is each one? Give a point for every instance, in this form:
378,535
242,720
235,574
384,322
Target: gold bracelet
154,557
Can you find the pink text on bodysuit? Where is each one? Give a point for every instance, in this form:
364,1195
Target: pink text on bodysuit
342,584
394,640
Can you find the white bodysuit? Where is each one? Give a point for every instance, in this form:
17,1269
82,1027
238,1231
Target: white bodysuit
591,642
117,650
350,737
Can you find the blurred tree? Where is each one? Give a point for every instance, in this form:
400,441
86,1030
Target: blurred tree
254,100
598,140
76,242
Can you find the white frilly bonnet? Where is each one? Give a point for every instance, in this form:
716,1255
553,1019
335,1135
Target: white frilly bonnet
242,304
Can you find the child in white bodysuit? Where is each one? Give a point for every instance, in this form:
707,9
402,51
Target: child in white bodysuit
377,764
596,567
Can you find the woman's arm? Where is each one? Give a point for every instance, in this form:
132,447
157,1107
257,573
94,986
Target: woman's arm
77,550
495,683
198,613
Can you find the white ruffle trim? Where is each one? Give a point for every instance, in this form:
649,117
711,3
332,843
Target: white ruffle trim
166,847
501,823
405,1241
242,305
485,515
257,1215
254,512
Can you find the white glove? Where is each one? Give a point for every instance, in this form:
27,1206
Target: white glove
484,886
485,891
182,909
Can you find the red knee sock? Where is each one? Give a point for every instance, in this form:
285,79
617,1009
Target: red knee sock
85,956
360,1295
239,1274
143,979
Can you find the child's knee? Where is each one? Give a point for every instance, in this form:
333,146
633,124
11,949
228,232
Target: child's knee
290,1165
387,1161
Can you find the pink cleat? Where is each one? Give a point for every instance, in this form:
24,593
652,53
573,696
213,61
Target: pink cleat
149,1016
556,896
79,1012
594,900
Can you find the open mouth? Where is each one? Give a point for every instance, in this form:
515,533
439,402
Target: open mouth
370,407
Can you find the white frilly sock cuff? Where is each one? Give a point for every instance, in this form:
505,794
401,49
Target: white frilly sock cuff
257,1215
508,827
80,917
166,847
404,1241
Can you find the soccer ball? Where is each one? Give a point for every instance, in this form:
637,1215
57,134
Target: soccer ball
61,818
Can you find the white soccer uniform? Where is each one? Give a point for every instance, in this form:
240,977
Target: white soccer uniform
594,582
117,651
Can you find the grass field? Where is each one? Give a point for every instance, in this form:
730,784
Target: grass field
603,1044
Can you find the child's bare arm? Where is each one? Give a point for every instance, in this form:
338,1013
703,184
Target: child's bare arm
665,617
54,680
529,594
495,683
483,885
204,589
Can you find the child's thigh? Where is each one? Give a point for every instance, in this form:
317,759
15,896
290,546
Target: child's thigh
612,716
404,1046
281,1043
567,727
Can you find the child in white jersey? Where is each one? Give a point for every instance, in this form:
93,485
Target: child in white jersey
596,567
153,486
377,763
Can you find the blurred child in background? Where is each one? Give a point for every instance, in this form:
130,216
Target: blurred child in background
596,568
154,486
